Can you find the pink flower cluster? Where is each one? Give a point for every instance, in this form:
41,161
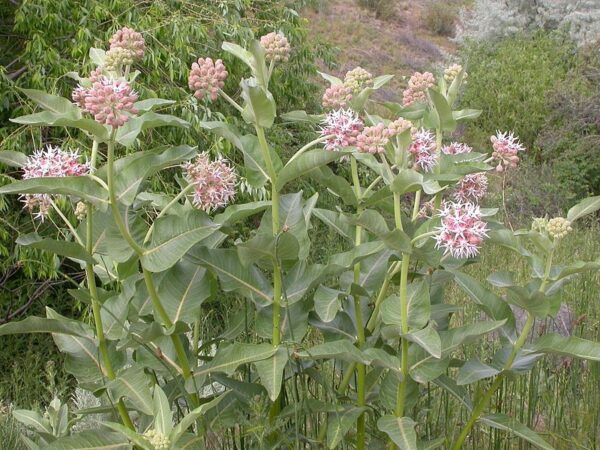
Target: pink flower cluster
456,148
108,101
214,182
398,126
417,88
336,97
373,139
344,126
472,187
277,48
51,162
207,77
462,231
129,40
506,147
423,149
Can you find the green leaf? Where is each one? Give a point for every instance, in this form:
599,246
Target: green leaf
229,358
583,208
192,416
173,236
466,114
428,339
474,370
566,345
270,371
340,349
443,111
183,289
83,187
128,133
401,430
409,180
259,108
506,423
91,440
33,419
458,392
233,276
63,248
340,422
418,302
52,103
241,53
333,80
34,324
336,184
163,416
304,164
51,119
235,213
455,337
132,384
381,81
13,159
97,55
151,103
302,116
133,169
327,302
336,222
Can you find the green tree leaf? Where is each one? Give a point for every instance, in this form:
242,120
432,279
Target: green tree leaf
506,423
91,440
259,108
270,371
401,430
304,164
13,159
340,422
566,345
128,133
133,385
583,208
83,187
63,248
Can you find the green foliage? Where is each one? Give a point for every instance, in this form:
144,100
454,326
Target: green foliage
383,9
511,81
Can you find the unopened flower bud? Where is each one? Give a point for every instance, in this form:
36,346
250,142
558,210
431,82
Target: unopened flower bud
129,40
558,227
277,48
398,126
118,57
452,72
416,92
539,224
109,101
80,211
336,97
207,77
372,139
357,79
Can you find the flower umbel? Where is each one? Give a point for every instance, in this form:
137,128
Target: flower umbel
472,187
207,77
129,40
423,149
373,139
462,230
456,148
558,227
336,97
277,48
417,88
214,182
108,101
398,126
357,79
506,147
452,72
158,440
343,126
50,162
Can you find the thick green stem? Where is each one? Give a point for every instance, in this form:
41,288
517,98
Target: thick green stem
401,396
91,282
483,403
156,303
417,205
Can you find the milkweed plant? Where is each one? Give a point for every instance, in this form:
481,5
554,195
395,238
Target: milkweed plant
334,350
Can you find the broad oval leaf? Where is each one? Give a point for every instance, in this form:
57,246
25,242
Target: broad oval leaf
401,430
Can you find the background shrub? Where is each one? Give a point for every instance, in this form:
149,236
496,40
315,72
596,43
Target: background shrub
440,18
382,8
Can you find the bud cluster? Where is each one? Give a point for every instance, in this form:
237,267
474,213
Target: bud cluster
373,139
130,43
462,231
214,182
117,57
344,126
423,149
277,48
357,79
417,88
158,440
207,77
506,147
337,97
109,101
558,227
398,126
452,72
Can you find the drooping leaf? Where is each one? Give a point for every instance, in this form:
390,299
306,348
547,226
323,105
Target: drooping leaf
83,187
91,440
583,208
340,349
173,236
259,108
270,371
132,385
69,249
458,392
13,159
305,163
163,416
401,430
53,103
428,339
339,423
128,133
53,119
506,423
474,370
566,345
228,359
327,303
